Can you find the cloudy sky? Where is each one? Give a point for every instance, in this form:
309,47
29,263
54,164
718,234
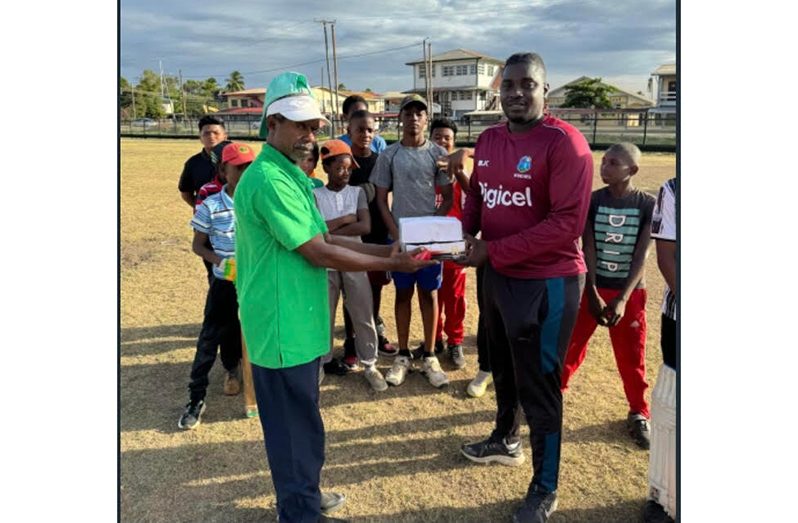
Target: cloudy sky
622,41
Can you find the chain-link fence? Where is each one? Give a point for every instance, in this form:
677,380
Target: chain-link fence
649,128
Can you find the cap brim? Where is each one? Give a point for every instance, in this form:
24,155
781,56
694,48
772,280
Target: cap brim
291,108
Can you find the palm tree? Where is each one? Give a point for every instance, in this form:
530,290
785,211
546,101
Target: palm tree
235,82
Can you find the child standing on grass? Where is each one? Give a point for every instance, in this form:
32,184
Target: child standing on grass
214,221
361,133
345,210
615,243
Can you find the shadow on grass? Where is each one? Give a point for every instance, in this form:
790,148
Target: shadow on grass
148,341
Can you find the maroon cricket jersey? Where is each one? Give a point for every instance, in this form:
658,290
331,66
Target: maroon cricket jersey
529,195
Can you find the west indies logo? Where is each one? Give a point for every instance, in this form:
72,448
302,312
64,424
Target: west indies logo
524,164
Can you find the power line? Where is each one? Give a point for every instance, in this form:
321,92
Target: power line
321,60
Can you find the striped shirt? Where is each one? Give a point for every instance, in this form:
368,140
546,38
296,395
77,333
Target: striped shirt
216,218
663,227
616,224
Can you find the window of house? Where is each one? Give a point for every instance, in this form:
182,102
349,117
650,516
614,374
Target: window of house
448,70
422,71
481,68
462,70
491,70
472,69
234,102
244,103
468,95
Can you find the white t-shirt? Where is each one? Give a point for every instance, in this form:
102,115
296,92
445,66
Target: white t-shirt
334,204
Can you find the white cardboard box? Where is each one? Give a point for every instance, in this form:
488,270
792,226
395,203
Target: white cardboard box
439,234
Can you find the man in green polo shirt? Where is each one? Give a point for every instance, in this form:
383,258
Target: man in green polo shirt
282,252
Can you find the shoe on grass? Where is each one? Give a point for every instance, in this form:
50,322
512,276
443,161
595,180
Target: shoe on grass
538,506
478,386
431,368
493,450
232,385
418,352
335,367
398,372
456,355
637,425
331,501
375,378
192,415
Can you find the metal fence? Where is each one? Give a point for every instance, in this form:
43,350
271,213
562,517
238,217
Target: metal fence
646,128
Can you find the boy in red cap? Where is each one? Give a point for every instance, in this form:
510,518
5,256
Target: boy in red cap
346,212
214,221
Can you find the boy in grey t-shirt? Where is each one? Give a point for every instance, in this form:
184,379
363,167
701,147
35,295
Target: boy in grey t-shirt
411,169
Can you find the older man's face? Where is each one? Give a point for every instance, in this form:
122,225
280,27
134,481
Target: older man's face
294,139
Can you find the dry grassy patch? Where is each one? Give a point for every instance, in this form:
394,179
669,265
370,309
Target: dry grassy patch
395,454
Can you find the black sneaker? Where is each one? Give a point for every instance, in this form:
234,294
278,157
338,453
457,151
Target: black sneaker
456,355
491,450
537,506
418,352
653,512
192,415
336,367
637,425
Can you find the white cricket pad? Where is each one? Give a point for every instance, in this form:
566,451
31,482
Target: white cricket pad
662,455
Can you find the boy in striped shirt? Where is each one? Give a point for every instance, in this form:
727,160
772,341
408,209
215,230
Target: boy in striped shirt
214,220
615,242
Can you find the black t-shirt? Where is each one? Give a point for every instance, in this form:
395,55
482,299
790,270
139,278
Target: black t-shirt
360,176
617,223
197,171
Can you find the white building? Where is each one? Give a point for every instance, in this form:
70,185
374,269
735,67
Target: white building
462,81
662,86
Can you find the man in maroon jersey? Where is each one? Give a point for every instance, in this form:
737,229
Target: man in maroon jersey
529,196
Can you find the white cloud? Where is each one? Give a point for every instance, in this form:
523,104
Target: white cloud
621,39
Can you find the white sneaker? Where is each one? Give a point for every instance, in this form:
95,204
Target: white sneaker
375,379
398,372
477,387
431,368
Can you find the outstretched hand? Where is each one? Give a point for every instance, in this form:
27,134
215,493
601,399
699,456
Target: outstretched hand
411,261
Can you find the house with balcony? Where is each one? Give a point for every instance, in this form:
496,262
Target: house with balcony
628,109
243,106
462,81
662,85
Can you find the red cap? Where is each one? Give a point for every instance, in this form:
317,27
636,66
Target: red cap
237,153
332,148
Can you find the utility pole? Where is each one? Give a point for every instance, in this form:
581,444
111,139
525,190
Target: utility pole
182,93
327,56
430,101
133,93
426,68
335,69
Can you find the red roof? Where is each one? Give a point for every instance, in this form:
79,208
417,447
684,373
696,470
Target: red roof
241,110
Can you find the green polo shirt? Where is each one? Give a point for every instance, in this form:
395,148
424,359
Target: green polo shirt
282,298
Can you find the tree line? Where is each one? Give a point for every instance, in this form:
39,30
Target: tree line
149,98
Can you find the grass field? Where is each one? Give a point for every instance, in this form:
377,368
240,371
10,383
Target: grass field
394,454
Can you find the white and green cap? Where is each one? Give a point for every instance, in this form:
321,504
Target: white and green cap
289,94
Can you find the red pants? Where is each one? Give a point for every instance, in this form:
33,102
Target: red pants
451,300
628,344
